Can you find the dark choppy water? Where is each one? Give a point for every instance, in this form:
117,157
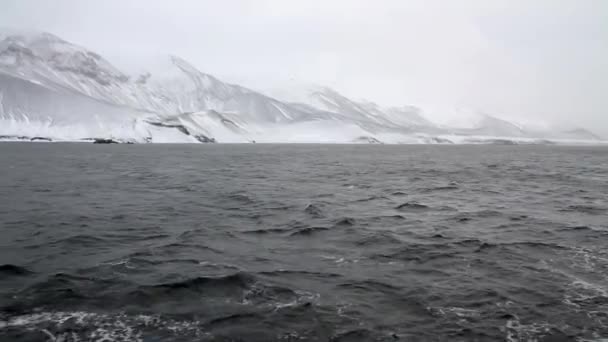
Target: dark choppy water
303,243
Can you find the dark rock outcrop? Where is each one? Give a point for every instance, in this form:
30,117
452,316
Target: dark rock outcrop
105,141
41,139
205,139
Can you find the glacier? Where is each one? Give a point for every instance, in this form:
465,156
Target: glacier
53,90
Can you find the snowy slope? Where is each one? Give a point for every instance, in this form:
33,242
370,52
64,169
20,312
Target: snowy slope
55,89
491,126
329,100
54,63
52,85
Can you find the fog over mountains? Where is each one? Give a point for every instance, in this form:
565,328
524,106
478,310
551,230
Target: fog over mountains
51,89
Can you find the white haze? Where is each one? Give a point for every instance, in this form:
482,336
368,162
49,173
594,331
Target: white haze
543,61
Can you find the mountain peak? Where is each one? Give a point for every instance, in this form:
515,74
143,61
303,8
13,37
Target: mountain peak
25,34
183,64
580,133
41,52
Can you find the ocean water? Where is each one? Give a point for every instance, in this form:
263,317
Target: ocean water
303,243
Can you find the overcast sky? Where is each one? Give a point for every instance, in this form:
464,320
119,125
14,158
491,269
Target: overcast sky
528,59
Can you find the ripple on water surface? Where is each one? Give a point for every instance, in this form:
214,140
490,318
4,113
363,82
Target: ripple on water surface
303,243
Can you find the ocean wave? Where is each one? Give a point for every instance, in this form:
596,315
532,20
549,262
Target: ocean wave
14,270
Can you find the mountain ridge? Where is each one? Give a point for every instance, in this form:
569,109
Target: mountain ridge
49,86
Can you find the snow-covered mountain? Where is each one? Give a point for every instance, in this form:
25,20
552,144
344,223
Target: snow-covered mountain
329,100
49,61
53,89
463,122
49,87
491,126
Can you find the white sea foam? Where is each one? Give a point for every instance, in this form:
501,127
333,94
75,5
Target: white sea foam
517,332
97,327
